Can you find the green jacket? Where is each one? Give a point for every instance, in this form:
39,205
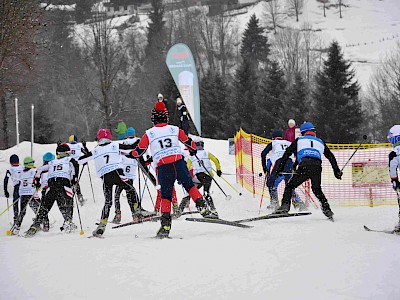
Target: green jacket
121,129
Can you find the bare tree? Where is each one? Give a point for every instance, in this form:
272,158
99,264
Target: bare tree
19,24
108,55
384,91
296,6
324,5
273,14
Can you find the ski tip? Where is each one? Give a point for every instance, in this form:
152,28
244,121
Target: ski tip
8,232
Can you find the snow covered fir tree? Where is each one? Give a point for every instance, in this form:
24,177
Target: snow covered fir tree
199,149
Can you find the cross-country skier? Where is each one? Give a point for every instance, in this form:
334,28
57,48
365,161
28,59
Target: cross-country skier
13,173
394,164
201,163
130,166
278,147
26,192
44,182
163,140
62,175
308,150
77,150
109,168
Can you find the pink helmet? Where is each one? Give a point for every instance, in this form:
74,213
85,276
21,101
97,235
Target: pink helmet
104,133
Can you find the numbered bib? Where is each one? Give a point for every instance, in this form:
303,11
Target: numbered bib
278,149
60,168
164,141
201,161
26,187
76,150
107,158
309,146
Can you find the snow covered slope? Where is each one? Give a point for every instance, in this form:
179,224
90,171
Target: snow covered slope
306,257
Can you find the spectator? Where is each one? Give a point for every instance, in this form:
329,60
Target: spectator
121,129
290,133
183,116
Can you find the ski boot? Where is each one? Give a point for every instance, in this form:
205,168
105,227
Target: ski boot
177,212
165,228
146,213
117,218
68,226
46,226
184,203
203,210
31,232
327,210
101,228
283,209
211,205
274,204
14,229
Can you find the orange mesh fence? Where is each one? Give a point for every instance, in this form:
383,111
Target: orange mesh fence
365,180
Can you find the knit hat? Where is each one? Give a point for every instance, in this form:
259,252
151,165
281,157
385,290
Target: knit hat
159,113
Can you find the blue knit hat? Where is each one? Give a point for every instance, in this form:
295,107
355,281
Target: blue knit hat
130,132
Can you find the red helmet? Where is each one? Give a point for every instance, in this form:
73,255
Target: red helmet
104,133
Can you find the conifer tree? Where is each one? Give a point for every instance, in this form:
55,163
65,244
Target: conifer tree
296,104
255,47
214,107
338,113
270,111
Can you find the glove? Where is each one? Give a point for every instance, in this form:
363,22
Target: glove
7,194
219,173
265,170
338,174
192,152
36,183
396,185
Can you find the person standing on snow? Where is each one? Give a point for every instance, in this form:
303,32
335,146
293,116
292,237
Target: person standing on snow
394,163
163,140
108,161
13,173
62,175
202,167
183,116
308,150
290,133
77,150
278,147
121,130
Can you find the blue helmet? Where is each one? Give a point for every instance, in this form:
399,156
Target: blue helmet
48,156
130,132
277,133
394,135
307,126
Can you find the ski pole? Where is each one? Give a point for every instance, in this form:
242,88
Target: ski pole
227,197
8,207
79,214
262,194
148,190
364,137
91,185
8,214
233,188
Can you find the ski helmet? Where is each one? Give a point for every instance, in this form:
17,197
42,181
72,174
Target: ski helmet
104,133
48,156
63,150
159,113
199,143
130,132
29,162
14,160
307,126
394,135
277,133
73,139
